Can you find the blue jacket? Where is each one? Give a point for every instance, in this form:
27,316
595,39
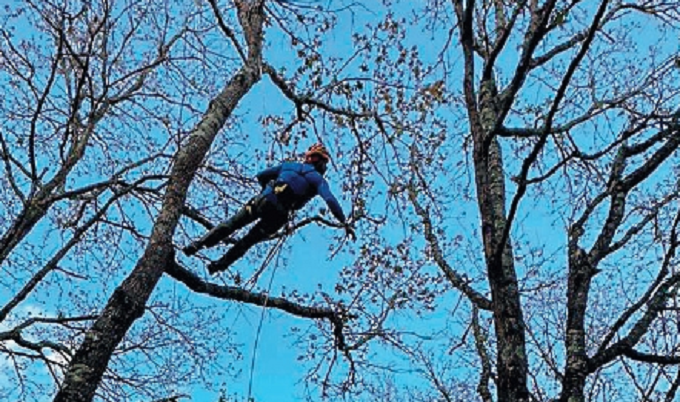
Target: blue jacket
304,181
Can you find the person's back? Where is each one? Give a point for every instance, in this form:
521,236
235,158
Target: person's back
294,184
301,178
288,186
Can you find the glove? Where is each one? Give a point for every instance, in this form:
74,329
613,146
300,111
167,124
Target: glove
190,250
349,232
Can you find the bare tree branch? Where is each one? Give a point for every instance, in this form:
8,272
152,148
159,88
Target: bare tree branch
454,278
665,268
227,31
73,241
480,343
193,282
506,30
301,101
650,358
464,15
538,147
533,36
625,344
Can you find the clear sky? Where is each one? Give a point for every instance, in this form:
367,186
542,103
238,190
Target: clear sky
305,266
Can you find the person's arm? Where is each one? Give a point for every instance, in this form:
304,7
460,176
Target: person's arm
268,175
324,192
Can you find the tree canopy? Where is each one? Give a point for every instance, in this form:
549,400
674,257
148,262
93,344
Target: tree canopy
510,169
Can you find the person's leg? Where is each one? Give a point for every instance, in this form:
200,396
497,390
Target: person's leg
267,226
243,217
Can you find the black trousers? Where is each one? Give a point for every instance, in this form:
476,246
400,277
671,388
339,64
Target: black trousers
270,218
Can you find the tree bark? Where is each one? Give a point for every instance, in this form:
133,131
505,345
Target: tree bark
128,301
485,114
511,363
578,287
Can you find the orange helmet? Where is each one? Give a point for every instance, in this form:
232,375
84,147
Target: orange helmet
318,149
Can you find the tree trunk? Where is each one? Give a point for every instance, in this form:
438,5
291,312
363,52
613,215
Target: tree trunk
580,275
511,364
128,301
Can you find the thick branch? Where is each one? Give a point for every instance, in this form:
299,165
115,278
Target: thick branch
615,215
673,390
533,36
34,346
251,16
195,215
41,104
563,47
653,140
656,304
196,284
464,15
480,344
637,228
653,162
650,358
619,188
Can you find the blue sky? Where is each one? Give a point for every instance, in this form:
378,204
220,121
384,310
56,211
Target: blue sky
304,265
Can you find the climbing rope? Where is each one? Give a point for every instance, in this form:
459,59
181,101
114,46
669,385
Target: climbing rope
274,250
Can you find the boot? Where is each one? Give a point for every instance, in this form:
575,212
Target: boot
233,254
210,239
200,244
220,232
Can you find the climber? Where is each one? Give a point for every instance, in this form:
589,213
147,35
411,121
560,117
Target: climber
286,187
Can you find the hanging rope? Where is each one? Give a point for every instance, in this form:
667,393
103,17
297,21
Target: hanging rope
266,263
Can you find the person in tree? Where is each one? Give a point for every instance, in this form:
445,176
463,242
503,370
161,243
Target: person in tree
286,187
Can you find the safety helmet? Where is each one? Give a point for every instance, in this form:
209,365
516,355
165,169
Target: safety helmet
318,149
